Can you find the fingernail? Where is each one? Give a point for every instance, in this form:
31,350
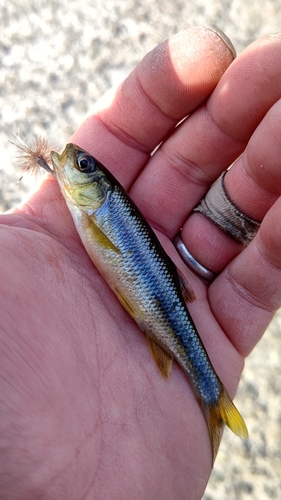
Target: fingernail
223,37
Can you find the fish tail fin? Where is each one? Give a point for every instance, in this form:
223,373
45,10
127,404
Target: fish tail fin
224,412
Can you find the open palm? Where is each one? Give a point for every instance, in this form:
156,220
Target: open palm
84,412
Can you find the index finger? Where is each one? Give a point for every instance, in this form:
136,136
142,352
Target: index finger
169,83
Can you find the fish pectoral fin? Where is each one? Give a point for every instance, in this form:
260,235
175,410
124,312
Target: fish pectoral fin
100,237
162,358
187,292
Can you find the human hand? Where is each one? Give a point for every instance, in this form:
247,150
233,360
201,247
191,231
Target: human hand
84,411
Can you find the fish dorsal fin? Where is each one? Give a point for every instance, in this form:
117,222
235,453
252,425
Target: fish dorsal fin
187,292
162,358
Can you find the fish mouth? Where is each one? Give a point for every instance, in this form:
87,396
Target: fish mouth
59,161
62,163
55,162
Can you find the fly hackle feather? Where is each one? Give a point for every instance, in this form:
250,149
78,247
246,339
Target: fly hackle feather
33,156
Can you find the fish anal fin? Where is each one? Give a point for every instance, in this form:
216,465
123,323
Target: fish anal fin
225,412
187,292
162,358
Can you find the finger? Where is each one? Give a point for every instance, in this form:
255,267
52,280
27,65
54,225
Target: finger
211,138
253,184
171,81
247,293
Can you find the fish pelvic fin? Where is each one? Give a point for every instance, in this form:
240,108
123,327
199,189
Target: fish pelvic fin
225,412
128,306
162,359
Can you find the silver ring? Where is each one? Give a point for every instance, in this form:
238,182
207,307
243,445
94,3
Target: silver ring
193,264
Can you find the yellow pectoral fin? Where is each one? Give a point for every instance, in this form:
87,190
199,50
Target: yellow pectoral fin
163,359
99,237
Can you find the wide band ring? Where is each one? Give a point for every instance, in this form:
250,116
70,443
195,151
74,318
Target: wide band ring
217,206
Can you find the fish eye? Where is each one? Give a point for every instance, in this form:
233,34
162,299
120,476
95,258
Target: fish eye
86,164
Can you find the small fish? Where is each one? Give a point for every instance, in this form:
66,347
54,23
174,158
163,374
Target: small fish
129,256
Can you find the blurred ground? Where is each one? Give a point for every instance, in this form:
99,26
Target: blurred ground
57,58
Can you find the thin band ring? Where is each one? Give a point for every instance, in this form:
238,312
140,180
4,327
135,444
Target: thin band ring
195,266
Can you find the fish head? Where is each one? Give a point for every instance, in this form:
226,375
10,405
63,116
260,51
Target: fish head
82,179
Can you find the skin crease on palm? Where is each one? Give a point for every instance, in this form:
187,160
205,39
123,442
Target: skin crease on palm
84,412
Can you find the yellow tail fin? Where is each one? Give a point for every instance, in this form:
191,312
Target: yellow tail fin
225,412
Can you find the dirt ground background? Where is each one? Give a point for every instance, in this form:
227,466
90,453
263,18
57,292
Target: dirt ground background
57,58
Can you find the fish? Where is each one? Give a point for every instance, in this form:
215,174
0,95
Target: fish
129,256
